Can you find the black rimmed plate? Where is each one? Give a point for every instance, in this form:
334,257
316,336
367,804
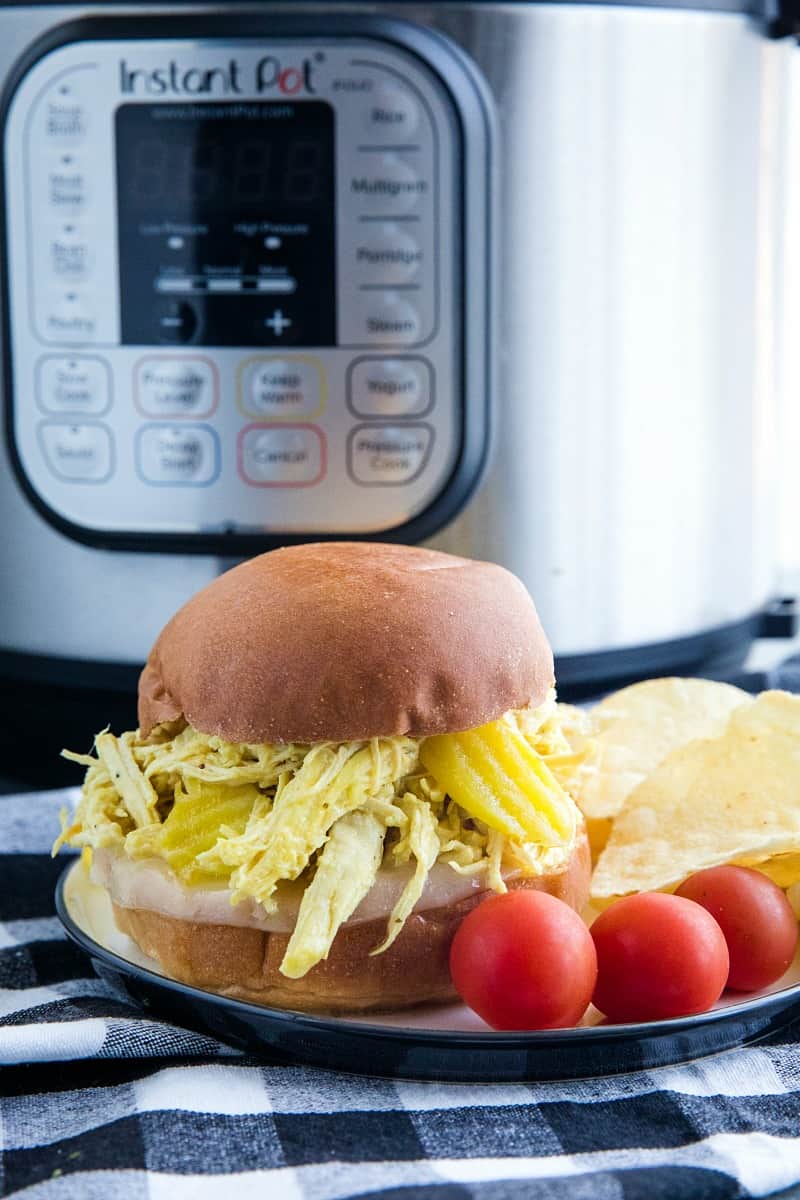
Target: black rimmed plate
438,1043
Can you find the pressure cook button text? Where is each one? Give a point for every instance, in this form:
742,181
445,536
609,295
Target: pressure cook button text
177,455
281,388
73,384
388,455
175,387
77,453
390,387
281,456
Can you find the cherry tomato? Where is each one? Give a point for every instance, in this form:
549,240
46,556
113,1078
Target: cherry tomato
524,960
756,919
657,956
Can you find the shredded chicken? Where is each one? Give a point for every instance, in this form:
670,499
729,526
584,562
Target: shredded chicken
249,816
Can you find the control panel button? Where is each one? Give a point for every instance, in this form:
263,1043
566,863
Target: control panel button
387,185
176,321
391,114
387,254
73,385
279,388
281,455
390,387
77,453
389,319
175,387
65,116
185,455
278,322
388,455
67,185
70,254
68,317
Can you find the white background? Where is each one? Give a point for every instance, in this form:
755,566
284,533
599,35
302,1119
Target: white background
788,375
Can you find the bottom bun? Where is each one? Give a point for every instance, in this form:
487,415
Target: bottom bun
243,962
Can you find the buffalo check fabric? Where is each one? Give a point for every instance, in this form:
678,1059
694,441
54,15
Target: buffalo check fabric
100,1102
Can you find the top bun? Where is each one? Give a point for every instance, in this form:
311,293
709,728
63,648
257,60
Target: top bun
341,641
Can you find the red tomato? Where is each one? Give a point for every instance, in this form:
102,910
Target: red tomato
524,960
756,919
657,956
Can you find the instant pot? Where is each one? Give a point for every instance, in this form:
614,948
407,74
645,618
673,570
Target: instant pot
496,277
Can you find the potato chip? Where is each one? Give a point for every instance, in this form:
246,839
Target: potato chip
732,798
635,729
783,869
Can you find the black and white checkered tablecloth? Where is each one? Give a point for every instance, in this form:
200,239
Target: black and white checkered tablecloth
99,1102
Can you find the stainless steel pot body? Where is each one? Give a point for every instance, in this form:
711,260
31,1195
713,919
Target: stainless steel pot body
631,474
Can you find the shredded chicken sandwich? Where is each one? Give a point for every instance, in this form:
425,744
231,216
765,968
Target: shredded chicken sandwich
488,802
342,748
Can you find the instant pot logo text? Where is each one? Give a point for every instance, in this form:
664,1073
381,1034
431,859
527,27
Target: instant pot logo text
269,74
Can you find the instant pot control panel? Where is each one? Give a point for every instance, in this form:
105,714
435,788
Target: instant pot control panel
236,276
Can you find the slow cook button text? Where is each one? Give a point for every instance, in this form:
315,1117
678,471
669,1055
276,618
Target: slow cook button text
73,384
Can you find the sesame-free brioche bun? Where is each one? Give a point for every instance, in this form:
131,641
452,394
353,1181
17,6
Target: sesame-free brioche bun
341,641
243,962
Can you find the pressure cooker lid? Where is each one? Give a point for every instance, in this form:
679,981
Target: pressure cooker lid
781,17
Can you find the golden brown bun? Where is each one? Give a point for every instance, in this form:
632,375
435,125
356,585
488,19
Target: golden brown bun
347,640
243,963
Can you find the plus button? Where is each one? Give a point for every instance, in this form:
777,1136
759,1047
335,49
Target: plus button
278,322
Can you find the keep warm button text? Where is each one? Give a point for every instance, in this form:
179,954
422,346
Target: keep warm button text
388,455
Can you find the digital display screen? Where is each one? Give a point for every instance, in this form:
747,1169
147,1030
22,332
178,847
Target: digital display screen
227,223
227,170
